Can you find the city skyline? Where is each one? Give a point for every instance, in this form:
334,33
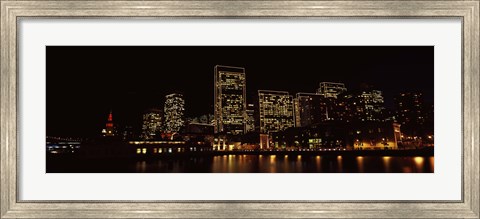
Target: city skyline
122,96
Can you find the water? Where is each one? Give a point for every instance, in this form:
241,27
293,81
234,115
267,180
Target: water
291,164
255,164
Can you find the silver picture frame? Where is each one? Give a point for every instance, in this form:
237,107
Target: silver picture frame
12,11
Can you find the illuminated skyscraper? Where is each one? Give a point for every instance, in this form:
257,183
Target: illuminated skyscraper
152,123
331,89
250,120
230,100
369,105
276,111
310,109
174,112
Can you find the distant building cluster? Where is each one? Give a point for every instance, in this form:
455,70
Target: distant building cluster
156,122
329,117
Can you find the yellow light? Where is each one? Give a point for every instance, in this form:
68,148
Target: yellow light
144,150
272,158
418,160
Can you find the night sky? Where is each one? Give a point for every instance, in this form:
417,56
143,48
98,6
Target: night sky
85,82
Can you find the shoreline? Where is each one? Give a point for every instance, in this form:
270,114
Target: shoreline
394,153
406,153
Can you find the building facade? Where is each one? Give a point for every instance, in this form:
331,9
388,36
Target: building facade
174,110
229,100
368,135
368,105
415,116
310,108
152,123
331,89
375,135
250,119
275,111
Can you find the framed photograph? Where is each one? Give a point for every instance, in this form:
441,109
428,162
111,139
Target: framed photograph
228,109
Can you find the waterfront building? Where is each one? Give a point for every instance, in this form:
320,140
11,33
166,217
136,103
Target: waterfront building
375,135
109,127
152,123
275,111
220,142
339,135
264,141
229,100
174,109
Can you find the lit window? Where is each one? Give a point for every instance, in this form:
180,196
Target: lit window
139,150
144,150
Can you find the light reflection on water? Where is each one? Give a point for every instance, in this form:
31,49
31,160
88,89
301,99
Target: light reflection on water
287,164
419,163
387,163
360,164
339,162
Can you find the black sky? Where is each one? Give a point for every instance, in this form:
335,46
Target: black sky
85,82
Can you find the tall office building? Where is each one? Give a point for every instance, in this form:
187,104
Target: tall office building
411,113
331,89
250,119
230,100
409,108
310,109
276,111
369,105
152,123
174,109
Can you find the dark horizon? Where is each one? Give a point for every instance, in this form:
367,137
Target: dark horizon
85,82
